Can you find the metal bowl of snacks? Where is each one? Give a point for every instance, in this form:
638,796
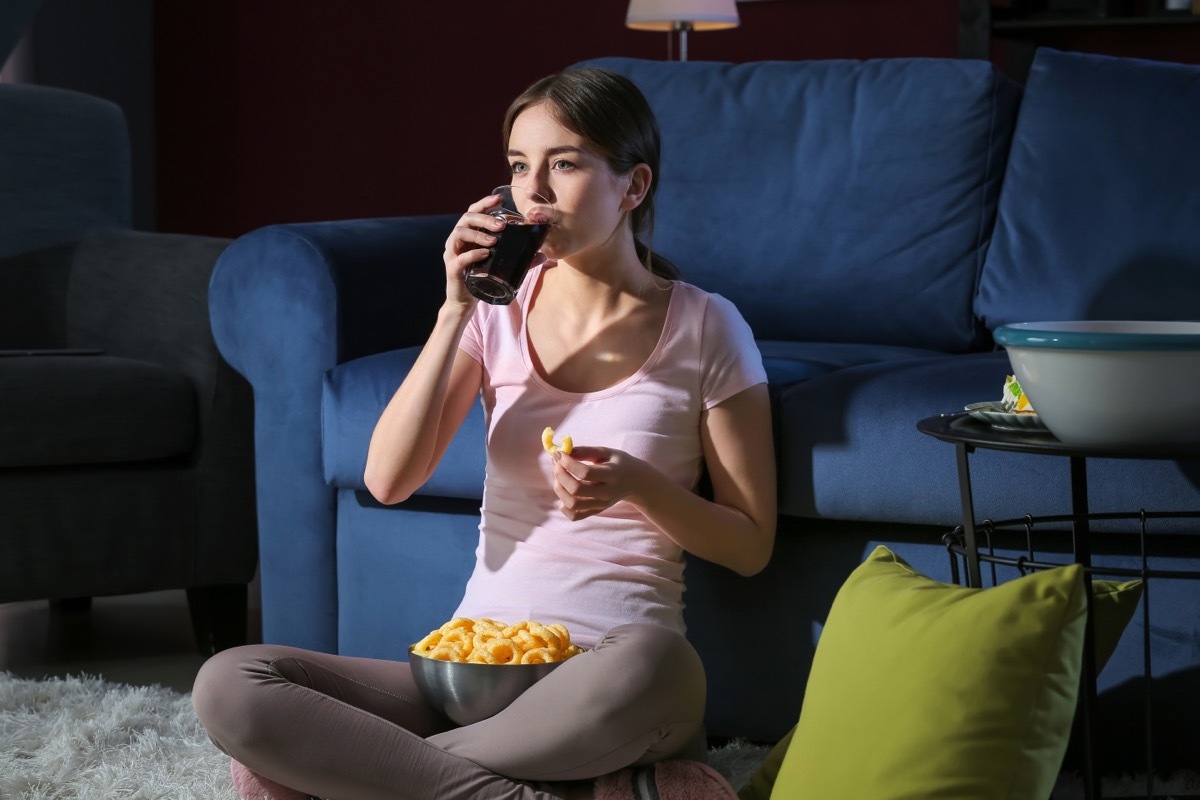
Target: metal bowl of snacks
468,693
446,664
1110,383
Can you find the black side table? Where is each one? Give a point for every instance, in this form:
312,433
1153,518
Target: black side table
967,435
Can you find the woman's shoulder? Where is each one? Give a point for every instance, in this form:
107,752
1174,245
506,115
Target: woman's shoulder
707,303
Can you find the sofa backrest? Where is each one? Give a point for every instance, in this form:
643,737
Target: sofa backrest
833,201
1100,212
64,167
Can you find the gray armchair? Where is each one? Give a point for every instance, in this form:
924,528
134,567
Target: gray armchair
126,442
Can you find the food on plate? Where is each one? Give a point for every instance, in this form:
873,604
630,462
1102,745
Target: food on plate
1015,400
549,445
486,641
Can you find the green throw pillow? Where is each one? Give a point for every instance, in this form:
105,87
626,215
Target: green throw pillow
1115,602
925,689
760,784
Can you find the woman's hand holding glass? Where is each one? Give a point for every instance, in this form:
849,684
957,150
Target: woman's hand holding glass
495,244
468,244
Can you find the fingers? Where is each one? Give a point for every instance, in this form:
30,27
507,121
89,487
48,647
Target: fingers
575,506
582,488
474,230
483,204
468,244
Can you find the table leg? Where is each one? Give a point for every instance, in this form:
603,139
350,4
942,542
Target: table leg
963,450
1081,545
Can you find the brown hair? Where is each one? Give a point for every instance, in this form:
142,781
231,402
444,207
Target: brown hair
610,111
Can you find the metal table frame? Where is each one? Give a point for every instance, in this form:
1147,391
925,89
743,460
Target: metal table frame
967,434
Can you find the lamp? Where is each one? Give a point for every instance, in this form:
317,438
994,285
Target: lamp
682,16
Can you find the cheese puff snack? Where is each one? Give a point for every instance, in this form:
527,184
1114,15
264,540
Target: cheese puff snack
486,641
550,447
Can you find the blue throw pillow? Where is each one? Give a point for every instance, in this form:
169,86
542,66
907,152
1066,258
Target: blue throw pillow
1099,216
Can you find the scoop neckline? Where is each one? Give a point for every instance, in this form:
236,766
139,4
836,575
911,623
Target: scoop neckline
637,375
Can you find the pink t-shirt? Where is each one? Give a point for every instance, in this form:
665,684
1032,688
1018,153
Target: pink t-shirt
615,567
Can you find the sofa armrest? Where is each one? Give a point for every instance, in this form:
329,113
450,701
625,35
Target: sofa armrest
145,296
33,298
288,303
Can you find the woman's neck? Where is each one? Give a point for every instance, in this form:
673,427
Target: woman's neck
602,281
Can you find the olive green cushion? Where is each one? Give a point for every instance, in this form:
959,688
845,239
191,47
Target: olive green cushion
763,780
924,689
1115,602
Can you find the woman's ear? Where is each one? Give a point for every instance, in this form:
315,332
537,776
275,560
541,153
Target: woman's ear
639,186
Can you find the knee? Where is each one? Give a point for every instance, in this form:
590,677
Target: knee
652,643
219,694
659,659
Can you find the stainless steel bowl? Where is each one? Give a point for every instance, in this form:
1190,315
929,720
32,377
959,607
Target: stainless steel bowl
469,693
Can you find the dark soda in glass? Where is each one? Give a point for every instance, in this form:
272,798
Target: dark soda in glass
496,279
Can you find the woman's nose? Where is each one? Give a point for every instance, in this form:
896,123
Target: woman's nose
541,184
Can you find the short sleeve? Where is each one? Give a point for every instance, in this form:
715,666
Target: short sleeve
729,358
471,341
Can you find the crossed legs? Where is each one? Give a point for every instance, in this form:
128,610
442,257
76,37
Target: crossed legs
358,729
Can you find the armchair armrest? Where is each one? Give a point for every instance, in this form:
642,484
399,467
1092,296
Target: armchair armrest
145,296
288,303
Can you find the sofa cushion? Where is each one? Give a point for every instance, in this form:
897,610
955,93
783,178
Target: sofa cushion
1098,216
925,689
849,449
814,194
790,362
59,410
355,394
353,397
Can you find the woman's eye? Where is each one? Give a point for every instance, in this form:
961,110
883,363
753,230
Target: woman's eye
562,163
518,167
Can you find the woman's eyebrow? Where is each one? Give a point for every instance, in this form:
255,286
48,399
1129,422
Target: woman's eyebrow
553,151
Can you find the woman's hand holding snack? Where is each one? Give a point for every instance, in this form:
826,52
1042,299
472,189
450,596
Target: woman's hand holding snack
590,479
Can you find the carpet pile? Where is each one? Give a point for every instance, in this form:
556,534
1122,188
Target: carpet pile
83,738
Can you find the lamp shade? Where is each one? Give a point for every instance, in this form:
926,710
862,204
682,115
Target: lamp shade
664,15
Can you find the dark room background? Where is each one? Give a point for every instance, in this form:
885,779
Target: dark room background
245,113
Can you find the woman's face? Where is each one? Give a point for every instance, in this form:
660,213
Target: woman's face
591,201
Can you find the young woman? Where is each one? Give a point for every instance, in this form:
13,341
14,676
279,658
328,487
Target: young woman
658,382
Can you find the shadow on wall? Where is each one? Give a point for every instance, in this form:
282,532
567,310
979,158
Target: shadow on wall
1152,286
775,623
1176,736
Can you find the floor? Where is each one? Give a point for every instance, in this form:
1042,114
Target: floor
141,640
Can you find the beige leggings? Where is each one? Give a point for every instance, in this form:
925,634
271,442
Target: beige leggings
357,729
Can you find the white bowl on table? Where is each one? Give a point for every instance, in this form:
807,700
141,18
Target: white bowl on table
1110,383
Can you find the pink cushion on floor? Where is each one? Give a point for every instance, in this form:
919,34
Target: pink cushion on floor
675,779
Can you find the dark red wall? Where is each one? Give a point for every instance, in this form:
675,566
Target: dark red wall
277,111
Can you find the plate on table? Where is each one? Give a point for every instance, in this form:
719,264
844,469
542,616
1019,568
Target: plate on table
993,413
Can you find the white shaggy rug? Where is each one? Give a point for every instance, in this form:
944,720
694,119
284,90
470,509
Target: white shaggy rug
82,738
88,739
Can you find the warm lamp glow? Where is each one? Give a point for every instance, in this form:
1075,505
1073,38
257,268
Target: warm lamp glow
682,16
666,15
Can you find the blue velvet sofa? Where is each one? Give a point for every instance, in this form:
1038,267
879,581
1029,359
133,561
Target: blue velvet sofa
874,221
